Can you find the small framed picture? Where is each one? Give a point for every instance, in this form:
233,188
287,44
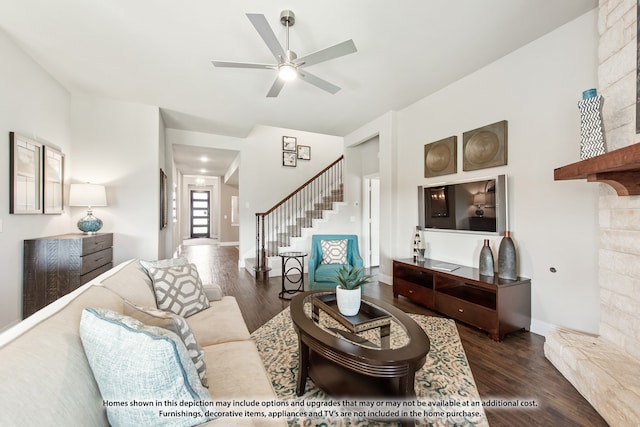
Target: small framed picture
304,152
288,143
289,158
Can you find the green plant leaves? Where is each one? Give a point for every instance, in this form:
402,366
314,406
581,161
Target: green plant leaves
347,277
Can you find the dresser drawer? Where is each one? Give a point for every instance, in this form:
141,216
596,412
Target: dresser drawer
95,260
482,317
95,273
96,243
417,293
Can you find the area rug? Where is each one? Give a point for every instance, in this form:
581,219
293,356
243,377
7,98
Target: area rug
445,388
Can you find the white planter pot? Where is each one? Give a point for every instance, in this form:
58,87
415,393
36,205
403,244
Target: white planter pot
348,300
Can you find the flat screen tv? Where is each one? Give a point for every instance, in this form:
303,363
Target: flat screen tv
478,206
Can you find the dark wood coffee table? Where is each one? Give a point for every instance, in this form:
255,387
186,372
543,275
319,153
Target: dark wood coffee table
344,365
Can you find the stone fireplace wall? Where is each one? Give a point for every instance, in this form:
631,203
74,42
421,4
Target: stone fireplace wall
619,217
604,368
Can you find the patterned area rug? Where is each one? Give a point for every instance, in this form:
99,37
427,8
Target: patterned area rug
445,387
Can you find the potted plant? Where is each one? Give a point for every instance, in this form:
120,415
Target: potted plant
348,291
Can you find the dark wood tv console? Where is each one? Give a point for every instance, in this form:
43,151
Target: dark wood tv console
495,305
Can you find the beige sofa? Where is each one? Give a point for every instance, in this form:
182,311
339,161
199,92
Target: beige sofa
46,379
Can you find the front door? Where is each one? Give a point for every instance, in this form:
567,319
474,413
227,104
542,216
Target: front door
200,214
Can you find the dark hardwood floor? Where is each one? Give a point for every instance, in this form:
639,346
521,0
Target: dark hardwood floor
512,369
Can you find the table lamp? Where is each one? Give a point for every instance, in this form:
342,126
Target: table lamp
88,195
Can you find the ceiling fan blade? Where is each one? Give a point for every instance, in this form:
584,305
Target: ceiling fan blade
264,29
230,64
276,88
328,53
318,82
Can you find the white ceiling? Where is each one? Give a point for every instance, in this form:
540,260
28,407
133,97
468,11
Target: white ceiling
159,52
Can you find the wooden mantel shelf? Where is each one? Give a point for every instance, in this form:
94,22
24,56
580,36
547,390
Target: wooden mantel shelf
619,168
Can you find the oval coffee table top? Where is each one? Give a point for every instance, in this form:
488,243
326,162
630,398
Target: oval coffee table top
407,341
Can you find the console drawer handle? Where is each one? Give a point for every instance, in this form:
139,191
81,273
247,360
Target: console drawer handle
410,291
461,310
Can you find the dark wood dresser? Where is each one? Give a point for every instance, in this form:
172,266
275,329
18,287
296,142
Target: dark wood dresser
497,306
57,265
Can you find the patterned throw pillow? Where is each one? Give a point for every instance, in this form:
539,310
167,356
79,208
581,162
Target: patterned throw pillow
176,324
334,251
132,361
164,263
179,289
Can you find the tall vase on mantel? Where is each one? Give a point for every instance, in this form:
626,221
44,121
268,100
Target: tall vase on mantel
486,266
507,258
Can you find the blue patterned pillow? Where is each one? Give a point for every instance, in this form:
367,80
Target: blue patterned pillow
334,251
134,362
177,324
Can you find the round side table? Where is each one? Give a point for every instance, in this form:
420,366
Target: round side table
297,267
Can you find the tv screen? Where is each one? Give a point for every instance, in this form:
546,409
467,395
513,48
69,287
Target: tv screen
472,206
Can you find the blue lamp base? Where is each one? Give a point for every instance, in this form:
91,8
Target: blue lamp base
90,224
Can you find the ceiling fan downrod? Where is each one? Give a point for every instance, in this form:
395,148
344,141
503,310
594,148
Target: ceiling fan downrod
287,69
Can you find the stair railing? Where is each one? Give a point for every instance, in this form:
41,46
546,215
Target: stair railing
285,219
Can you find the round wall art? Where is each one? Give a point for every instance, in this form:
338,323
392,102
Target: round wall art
440,157
485,147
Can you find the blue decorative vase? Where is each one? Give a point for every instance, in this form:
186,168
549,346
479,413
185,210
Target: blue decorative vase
89,224
507,258
486,260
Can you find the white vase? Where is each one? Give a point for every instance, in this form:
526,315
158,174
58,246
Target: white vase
348,300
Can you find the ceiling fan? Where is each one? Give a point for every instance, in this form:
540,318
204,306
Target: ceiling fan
289,66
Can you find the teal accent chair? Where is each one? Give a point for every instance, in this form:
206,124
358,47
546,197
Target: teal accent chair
320,274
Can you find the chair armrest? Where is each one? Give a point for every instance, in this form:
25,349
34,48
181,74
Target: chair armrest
356,260
311,268
213,292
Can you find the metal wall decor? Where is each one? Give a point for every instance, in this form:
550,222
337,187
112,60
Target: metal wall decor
485,147
440,157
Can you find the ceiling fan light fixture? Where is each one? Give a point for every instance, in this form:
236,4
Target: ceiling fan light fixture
287,72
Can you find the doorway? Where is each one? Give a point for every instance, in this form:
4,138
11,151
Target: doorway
200,205
372,221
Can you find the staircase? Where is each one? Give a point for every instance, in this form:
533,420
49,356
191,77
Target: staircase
288,225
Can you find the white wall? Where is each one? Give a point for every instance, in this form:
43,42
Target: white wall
34,104
117,144
554,224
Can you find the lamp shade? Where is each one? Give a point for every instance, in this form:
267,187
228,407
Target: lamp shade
479,199
87,195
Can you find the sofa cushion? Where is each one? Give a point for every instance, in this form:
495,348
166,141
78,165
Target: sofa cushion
334,251
46,377
179,289
326,272
222,322
128,283
133,361
176,324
